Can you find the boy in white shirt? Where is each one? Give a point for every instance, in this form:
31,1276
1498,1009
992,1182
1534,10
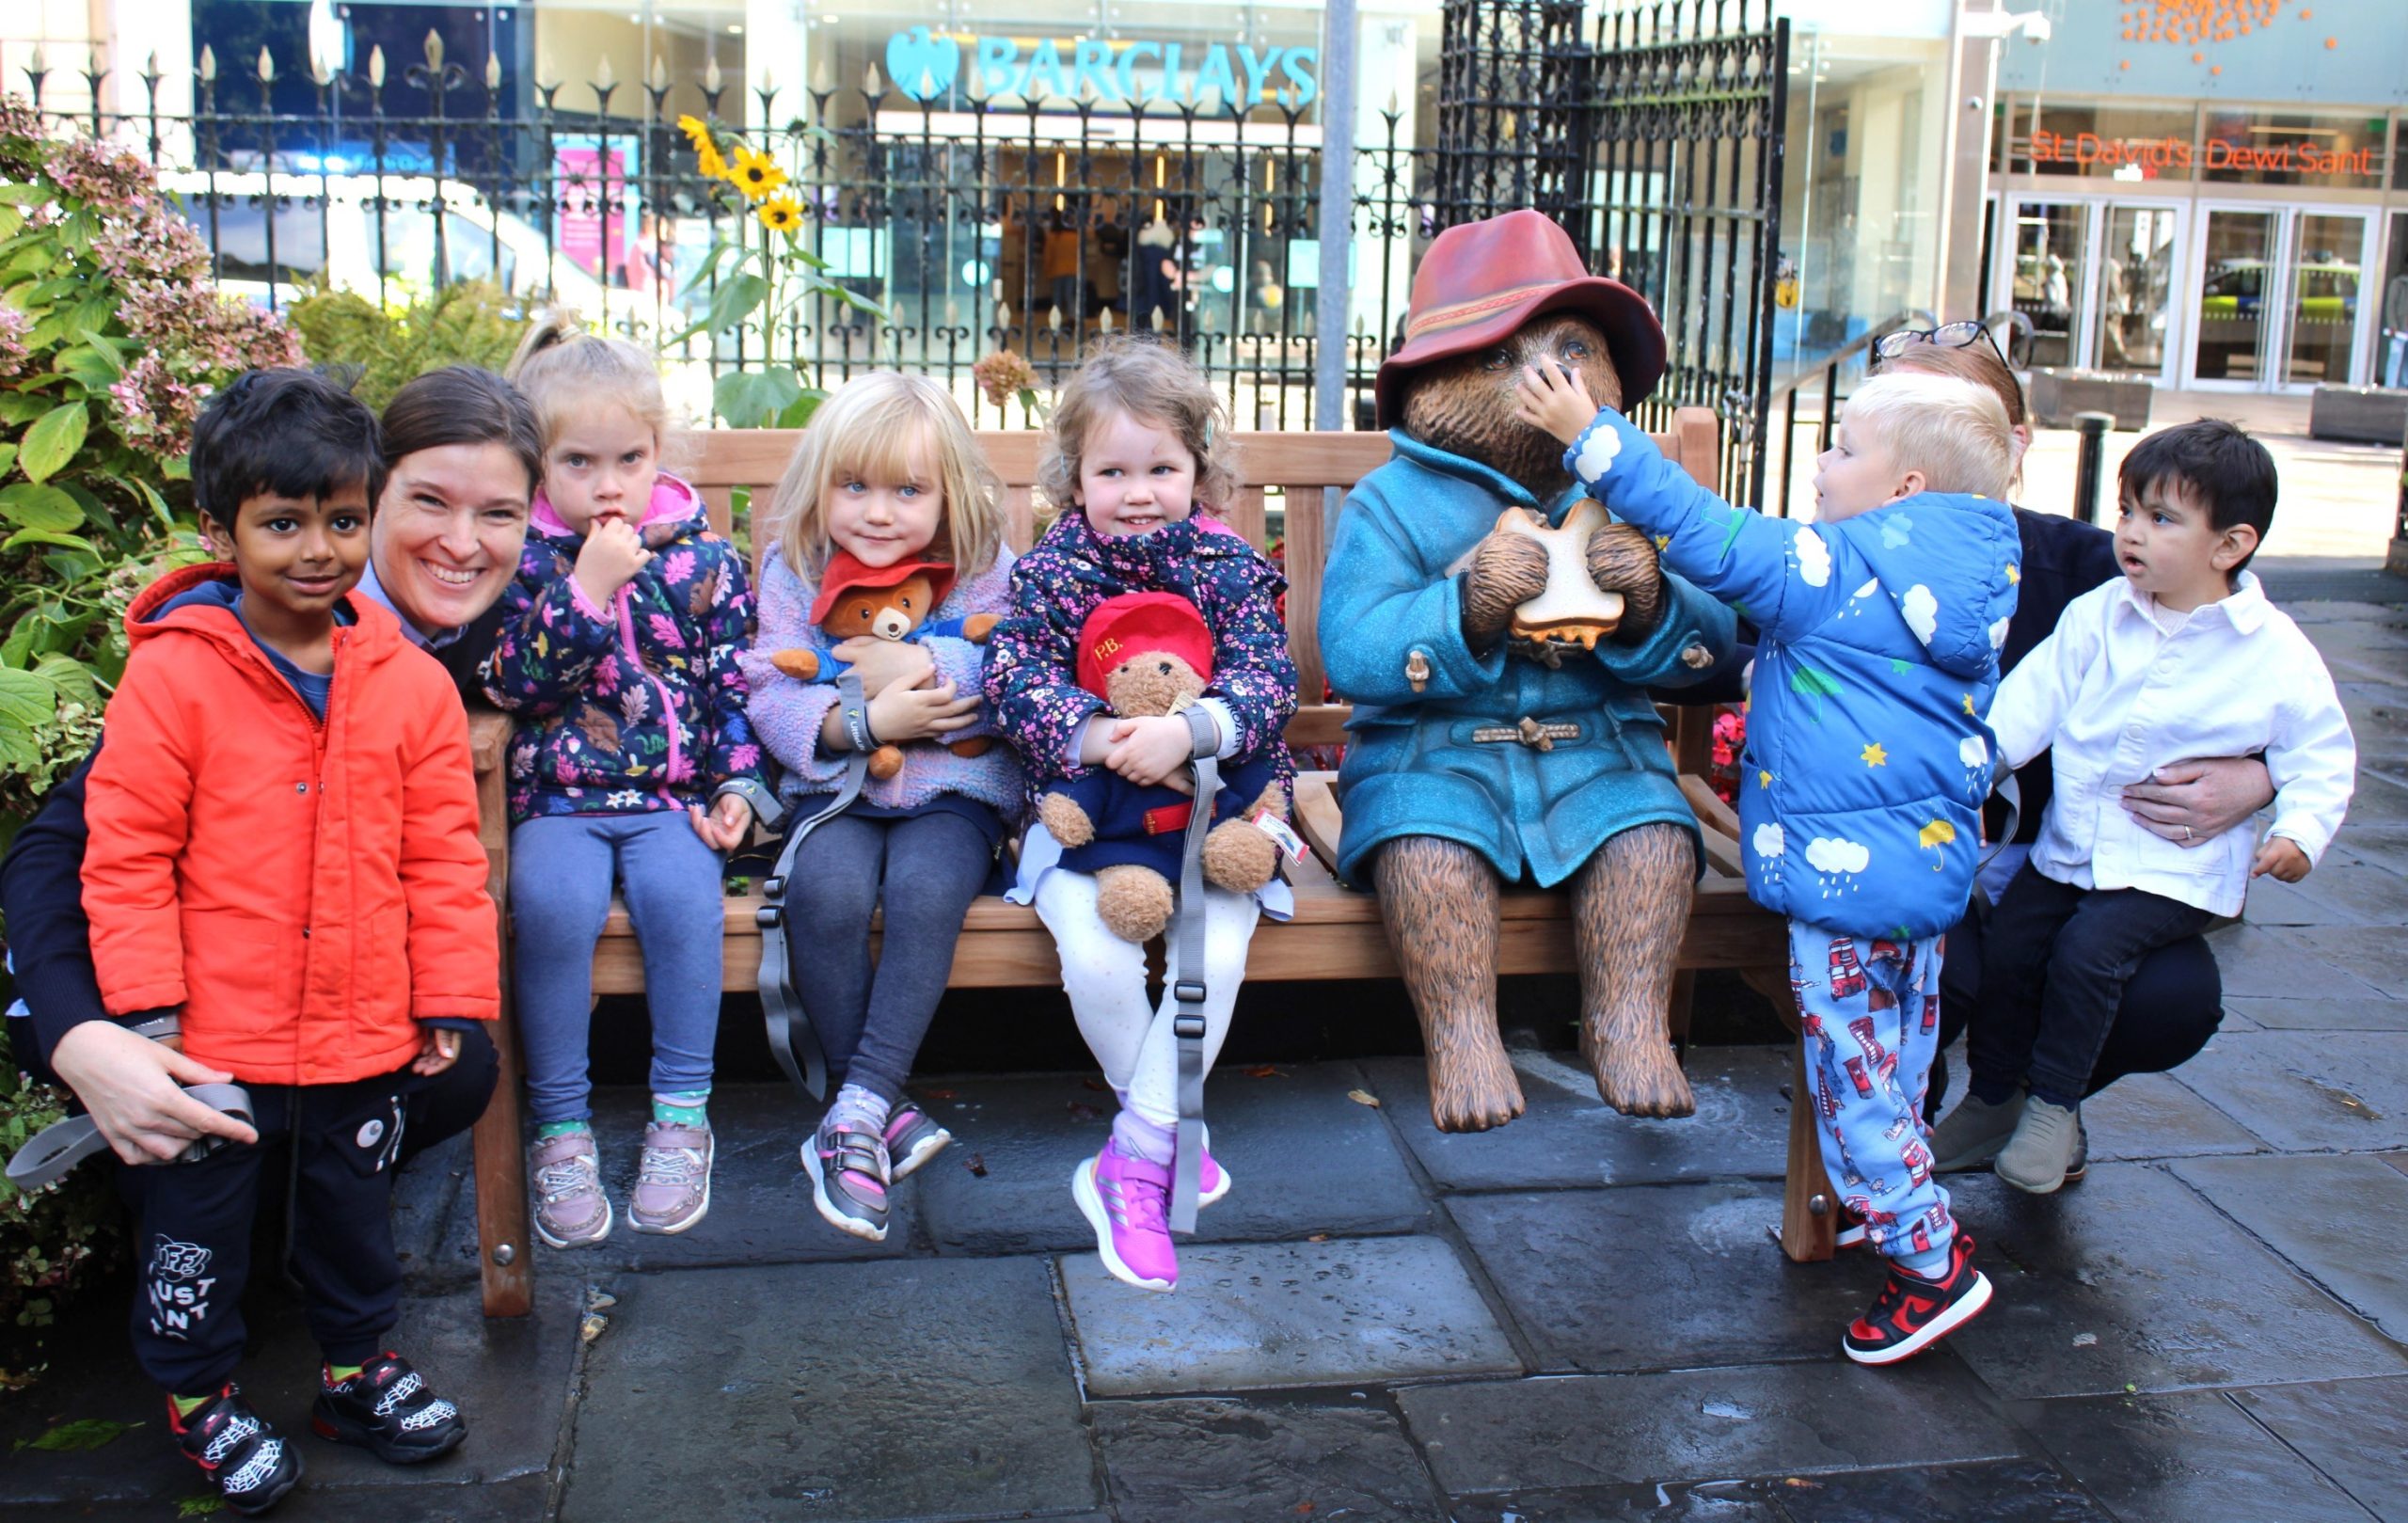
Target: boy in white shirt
2181,657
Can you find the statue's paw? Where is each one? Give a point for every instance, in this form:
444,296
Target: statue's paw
1474,1090
1640,1077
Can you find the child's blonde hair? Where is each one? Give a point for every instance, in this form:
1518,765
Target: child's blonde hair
872,428
1142,378
559,367
1953,431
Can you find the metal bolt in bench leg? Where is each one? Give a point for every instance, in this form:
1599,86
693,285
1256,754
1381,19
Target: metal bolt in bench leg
503,1253
1819,1205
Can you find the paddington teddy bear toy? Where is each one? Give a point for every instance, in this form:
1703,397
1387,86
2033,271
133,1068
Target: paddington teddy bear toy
883,603
1502,730
1146,654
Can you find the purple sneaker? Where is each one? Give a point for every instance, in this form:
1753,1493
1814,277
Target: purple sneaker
673,1180
850,1173
570,1208
1127,1201
912,1138
1212,1179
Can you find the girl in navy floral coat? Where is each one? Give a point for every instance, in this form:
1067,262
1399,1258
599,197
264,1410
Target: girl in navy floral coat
632,760
1133,461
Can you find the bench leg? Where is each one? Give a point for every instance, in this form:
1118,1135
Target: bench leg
504,1245
1809,1207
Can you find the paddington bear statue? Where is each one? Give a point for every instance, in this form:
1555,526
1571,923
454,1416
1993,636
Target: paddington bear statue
1478,757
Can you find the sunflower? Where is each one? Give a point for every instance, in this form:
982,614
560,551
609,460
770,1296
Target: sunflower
707,162
781,214
697,131
754,173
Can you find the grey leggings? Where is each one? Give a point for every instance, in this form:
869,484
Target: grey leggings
927,869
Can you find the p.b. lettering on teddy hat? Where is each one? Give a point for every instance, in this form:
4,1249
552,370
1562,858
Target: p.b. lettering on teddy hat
1142,621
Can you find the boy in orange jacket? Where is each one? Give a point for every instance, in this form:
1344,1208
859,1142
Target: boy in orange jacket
284,855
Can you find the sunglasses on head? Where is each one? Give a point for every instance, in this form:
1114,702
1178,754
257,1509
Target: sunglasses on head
1946,336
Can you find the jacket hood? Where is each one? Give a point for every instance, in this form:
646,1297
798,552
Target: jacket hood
1937,554
199,599
675,509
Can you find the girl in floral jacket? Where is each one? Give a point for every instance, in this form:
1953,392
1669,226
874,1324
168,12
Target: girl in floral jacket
1137,459
632,760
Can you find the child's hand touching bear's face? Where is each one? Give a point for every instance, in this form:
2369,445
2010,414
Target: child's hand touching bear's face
1555,399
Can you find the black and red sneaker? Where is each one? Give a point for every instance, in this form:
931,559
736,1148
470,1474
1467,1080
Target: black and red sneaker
1911,1313
388,1410
242,1454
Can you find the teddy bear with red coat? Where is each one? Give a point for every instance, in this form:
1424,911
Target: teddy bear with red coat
1147,654
883,603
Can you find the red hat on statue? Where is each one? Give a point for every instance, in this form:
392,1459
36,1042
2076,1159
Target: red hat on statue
1135,622
847,575
1482,280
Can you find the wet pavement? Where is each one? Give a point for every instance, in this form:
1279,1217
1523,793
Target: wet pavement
1576,1319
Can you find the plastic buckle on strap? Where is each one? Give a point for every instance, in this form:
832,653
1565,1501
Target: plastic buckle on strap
769,916
1188,991
1187,1027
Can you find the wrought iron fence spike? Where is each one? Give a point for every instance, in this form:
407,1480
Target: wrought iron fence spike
267,67
605,77
870,82
493,71
432,47
547,77
713,81
208,65
659,73
376,66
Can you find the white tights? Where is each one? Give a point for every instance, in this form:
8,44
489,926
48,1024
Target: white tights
1106,979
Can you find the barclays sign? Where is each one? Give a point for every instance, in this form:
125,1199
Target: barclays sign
926,66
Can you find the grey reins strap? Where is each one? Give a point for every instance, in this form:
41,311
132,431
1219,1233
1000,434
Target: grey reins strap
62,1145
792,1041
1187,986
2012,792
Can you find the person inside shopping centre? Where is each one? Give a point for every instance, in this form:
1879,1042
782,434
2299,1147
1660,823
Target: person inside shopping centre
462,455
2174,1000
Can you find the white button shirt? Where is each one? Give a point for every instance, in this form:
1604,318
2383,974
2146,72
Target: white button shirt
2113,696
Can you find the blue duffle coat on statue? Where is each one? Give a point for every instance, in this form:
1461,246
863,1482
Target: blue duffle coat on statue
1867,760
1393,588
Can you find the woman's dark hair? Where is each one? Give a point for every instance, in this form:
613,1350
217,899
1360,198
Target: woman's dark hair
289,432
462,405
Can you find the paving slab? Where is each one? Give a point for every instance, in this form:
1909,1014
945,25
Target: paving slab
1725,1503
2354,1431
423,1195
2376,953
511,1380
761,1209
2385,844
501,1502
2346,889
2183,1459
1204,1461
1264,1315
1571,1431
1569,1137
2012,1491
1302,1158
1659,1277
917,1389
2153,1116
2309,1091
2338,1219
2129,1279
2275,961
2371,1012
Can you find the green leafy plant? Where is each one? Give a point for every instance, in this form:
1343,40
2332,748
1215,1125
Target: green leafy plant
466,322
110,339
55,1239
760,276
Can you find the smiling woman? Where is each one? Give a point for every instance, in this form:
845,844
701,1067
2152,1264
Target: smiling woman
461,459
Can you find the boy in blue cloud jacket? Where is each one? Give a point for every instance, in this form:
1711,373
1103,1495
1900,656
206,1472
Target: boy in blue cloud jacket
1866,765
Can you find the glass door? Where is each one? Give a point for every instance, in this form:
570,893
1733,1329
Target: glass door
2323,277
2391,351
2237,255
2051,238
2133,329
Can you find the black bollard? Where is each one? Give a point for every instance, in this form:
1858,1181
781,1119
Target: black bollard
2094,426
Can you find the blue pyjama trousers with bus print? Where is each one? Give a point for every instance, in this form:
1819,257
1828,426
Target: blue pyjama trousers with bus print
1869,1012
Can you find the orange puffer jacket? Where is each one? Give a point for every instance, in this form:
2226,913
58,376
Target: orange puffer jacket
307,891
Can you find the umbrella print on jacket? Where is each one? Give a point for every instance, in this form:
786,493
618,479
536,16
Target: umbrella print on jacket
1836,861
1936,837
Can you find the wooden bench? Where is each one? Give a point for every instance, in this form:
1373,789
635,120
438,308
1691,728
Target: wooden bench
1335,932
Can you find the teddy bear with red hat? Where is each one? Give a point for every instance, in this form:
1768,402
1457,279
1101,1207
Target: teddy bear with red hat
883,603
1147,654
1480,753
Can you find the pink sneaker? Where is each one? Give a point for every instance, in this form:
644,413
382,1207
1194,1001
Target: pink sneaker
1127,1201
1212,1179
